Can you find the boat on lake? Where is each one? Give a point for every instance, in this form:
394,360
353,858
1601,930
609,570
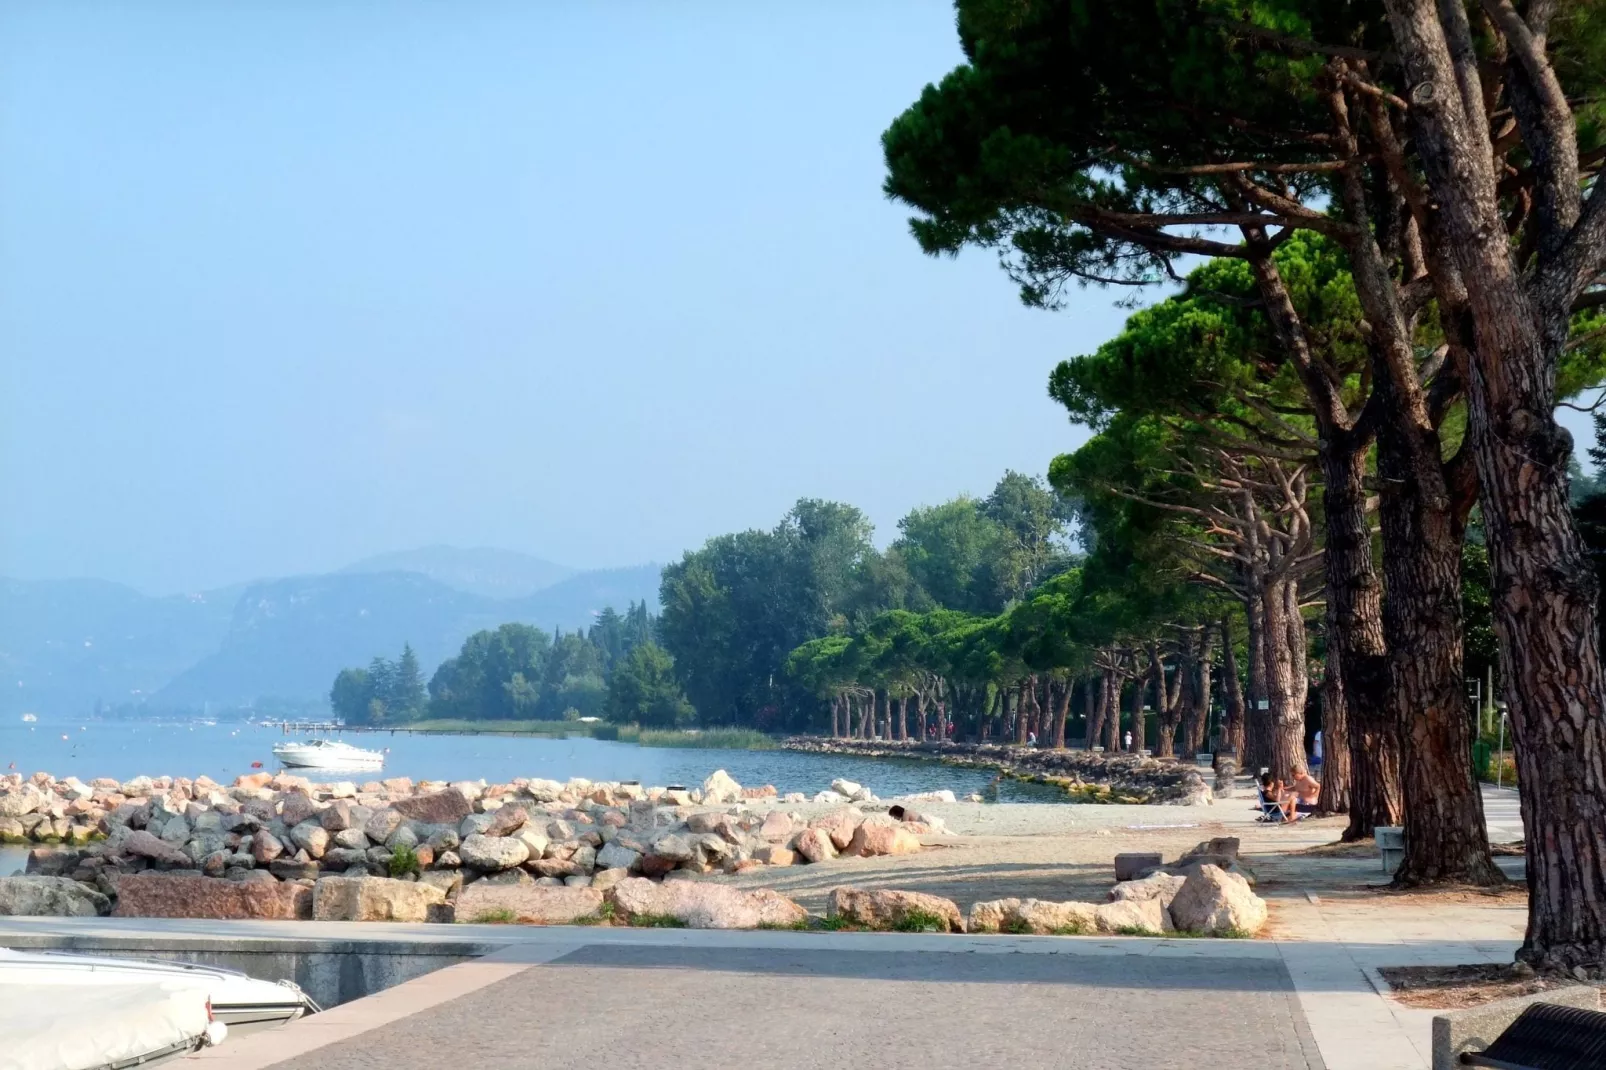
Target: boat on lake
327,754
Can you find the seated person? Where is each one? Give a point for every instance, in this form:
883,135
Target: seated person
1302,794
1272,791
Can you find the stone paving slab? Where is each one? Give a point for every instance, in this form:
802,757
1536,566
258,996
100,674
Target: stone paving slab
630,1006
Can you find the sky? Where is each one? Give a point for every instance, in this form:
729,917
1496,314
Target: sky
286,285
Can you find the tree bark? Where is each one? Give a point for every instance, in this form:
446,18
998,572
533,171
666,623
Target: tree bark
1112,716
1445,836
1545,596
1061,709
1232,721
1286,697
1138,719
1199,715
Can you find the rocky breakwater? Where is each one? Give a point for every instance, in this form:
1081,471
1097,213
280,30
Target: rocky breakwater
1085,775
269,846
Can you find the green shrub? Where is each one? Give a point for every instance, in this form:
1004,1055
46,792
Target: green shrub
499,916
919,921
656,921
404,860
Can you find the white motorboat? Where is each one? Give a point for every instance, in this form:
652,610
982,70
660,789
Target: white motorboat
52,1021
327,754
244,1004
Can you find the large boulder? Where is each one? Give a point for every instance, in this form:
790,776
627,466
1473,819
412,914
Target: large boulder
483,901
352,839
1213,900
1160,885
25,800
339,816
507,820
167,895
265,847
56,897
885,908
777,827
297,807
872,839
142,844
380,825
672,847
373,899
1222,847
616,855
720,787
851,790
448,807
492,853
699,905
311,837
1032,916
815,845
1131,917
839,825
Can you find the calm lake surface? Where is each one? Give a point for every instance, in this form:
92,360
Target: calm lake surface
225,751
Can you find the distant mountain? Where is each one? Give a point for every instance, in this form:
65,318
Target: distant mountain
71,643
289,638
66,644
489,572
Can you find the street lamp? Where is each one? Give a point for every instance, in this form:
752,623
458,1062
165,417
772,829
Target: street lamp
1500,771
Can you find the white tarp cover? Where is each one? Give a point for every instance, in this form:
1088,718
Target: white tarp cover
58,1027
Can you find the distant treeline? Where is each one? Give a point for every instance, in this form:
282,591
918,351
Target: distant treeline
517,672
733,613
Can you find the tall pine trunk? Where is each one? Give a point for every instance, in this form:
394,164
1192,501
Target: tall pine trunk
1545,596
1232,719
1445,836
1285,725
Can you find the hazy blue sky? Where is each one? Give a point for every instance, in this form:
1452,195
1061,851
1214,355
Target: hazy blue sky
284,285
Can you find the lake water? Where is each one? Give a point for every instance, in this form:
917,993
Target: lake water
225,751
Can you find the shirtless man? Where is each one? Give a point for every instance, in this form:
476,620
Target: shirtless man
1302,794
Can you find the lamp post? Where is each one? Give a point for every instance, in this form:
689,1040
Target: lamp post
1500,772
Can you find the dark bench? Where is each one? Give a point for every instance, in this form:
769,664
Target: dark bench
1547,1037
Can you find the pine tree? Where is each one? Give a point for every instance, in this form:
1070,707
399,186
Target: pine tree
408,696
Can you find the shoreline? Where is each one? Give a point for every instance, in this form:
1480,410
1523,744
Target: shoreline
1084,776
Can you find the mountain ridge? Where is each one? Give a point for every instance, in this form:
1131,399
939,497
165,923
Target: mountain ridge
73,645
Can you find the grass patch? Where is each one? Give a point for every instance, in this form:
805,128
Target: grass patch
801,926
499,916
1136,930
463,726
707,738
1016,927
603,916
920,921
836,923
1070,930
656,921
404,861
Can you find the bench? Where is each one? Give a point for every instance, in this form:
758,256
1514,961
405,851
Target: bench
1500,1034
1547,1036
